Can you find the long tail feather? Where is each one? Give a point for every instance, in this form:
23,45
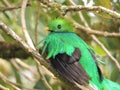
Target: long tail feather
109,85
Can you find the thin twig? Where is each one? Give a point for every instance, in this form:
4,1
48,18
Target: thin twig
30,43
88,30
9,8
23,22
13,62
3,88
66,9
107,52
36,24
80,14
2,77
2,9
14,85
90,8
43,78
21,63
6,3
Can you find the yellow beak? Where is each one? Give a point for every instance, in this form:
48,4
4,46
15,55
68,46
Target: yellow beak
47,28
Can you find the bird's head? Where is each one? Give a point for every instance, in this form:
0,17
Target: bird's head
60,25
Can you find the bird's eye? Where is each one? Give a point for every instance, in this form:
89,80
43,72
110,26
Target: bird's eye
59,26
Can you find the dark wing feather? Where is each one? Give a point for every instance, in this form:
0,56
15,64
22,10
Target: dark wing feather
69,67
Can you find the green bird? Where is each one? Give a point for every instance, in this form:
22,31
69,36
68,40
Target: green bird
72,58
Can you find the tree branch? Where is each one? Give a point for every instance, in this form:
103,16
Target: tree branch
3,88
23,22
12,50
26,66
96,32
107,52
2,9
90,8
23,44
13,62
15,86
6,3
30,43
64,9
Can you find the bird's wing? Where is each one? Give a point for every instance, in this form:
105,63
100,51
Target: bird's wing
69,67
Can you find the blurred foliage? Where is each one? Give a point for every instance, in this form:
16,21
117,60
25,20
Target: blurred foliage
97,20
5,67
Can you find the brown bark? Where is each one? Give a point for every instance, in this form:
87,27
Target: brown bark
12,50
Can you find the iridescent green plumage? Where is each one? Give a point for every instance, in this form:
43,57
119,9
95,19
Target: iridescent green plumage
62,41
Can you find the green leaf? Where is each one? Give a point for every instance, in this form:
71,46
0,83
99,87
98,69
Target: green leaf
115,74
99,50
40,84
17,75
104,3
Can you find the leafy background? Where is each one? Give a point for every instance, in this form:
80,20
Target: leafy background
37,17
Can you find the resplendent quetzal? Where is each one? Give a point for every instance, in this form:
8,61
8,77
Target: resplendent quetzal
72,58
